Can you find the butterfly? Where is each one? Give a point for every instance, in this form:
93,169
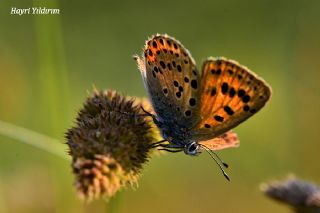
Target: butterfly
194,111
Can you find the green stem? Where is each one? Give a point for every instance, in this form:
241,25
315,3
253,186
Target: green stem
115,203
34,139
52,70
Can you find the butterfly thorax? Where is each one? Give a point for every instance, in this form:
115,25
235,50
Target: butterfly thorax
175,134
179,137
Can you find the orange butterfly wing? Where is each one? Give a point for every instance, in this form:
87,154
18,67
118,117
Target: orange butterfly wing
230,94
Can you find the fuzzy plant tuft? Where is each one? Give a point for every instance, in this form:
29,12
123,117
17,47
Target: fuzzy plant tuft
109,144
302,196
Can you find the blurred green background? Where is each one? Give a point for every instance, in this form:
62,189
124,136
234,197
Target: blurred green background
49,62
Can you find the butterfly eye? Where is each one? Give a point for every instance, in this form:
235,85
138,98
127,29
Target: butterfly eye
192,148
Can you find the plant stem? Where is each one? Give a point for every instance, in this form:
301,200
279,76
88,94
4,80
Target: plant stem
34,139
115,203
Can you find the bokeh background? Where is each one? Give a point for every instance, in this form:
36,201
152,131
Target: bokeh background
48,63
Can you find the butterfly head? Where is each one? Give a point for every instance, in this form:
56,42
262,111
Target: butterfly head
192,148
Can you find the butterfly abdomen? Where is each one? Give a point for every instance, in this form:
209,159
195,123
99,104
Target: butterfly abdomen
174,133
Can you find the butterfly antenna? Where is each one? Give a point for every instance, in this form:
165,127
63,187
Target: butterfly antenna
216,155
223,163
218,163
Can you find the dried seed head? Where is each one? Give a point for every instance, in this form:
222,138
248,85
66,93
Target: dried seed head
301,195
109,144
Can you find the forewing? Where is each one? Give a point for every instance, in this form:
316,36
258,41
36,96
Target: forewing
171,79
230,94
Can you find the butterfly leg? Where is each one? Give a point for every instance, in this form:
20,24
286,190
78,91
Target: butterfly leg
135,115
166,147
154,118
170,147
171,150
156,144
147,113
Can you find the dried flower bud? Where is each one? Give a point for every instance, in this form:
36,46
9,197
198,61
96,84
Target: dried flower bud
301,195
109,144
